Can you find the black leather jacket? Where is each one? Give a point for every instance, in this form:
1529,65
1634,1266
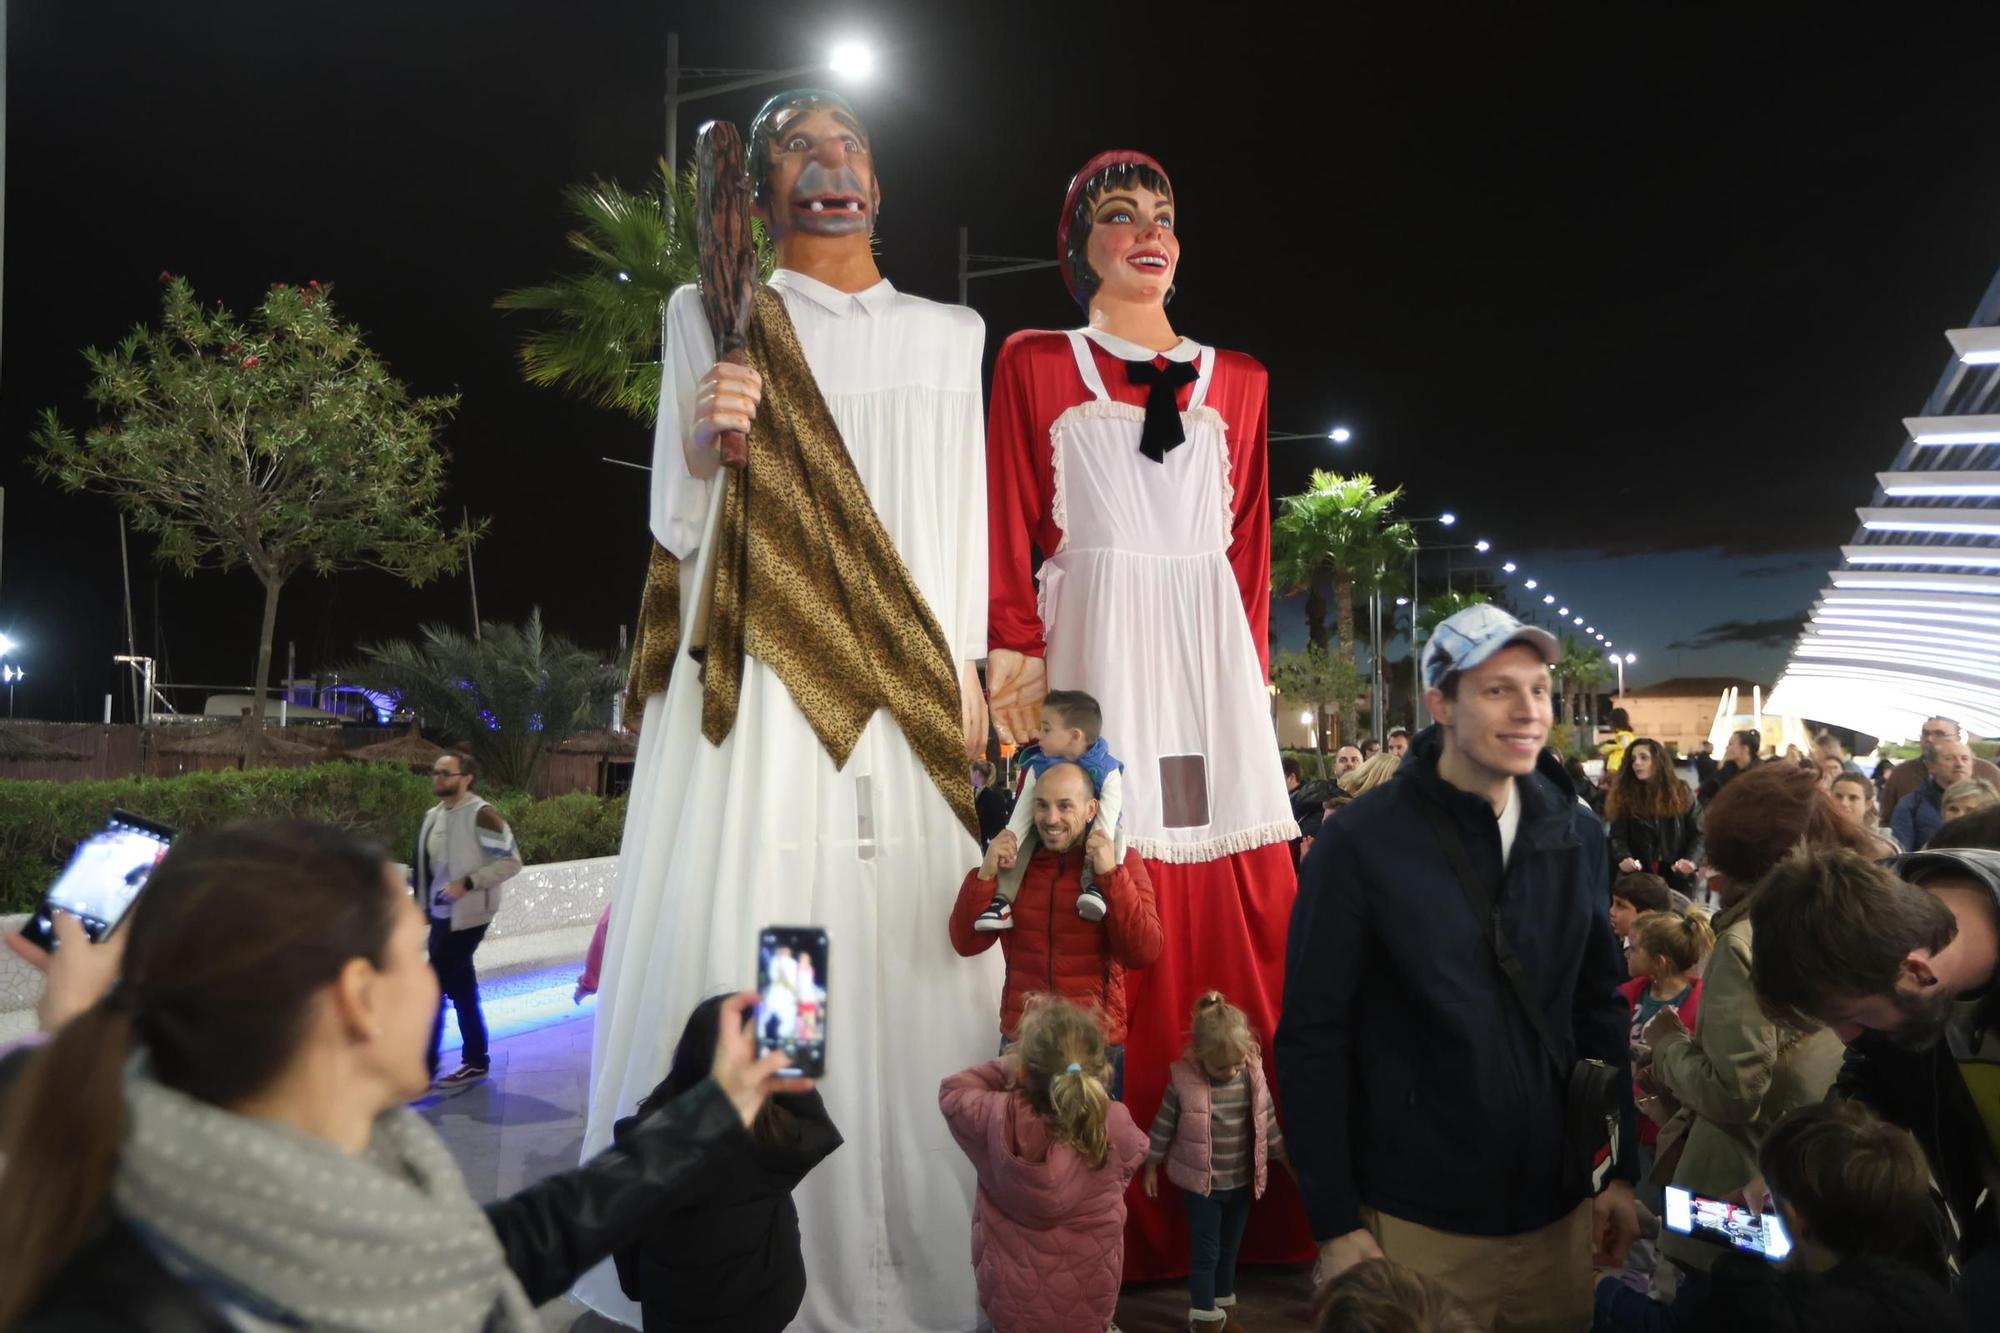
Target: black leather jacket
552,1232
1656,842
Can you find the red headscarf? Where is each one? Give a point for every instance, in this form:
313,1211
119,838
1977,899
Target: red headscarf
1117,157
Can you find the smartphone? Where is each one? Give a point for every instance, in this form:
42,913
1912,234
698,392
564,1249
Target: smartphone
1726,1223
791,997
102,879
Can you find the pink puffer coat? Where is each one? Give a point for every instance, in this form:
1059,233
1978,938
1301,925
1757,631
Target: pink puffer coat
1048,1232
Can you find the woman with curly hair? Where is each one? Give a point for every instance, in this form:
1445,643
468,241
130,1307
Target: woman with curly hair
1651,818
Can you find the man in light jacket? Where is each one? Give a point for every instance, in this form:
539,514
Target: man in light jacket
464,853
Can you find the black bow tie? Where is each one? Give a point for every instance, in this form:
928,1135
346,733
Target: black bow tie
1162,430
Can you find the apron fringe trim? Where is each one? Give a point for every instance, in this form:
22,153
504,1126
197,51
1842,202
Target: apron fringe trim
1214,849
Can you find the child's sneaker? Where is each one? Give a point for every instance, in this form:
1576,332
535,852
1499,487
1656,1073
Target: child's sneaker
1090,904
999,915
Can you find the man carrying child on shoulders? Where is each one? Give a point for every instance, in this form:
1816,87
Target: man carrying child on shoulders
1052,948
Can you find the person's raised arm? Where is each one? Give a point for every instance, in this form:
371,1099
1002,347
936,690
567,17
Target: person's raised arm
558,1228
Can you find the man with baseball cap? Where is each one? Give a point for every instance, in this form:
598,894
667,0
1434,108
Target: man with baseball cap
1429,1108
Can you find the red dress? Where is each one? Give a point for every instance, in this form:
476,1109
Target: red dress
1225,900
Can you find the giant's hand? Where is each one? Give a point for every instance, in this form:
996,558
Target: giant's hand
1016,684
725,399
971,709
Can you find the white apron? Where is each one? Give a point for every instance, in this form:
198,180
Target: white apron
1140,606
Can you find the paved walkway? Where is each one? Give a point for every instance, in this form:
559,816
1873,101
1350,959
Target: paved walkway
526,1122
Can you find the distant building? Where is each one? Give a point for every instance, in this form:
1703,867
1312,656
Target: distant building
1679,712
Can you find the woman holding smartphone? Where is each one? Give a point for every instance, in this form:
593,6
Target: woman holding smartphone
221,1140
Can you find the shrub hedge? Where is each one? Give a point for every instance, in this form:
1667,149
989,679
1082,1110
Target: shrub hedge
41,822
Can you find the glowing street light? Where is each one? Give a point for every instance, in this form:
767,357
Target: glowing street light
1549,600
852,60
1482,546
1508,568
1621,663
847,60
7,645
1561,610
1447,518
1340,435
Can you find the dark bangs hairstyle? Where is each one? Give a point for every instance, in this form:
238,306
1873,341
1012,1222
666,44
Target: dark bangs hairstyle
1083,280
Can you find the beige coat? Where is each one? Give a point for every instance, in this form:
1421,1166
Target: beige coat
1738,1076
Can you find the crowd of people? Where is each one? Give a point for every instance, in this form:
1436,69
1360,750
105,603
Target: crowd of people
1515,1030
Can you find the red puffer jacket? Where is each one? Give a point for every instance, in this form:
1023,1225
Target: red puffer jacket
1048,1233
1053,950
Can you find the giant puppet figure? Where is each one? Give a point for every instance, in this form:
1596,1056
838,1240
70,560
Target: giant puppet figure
1133,461
808,767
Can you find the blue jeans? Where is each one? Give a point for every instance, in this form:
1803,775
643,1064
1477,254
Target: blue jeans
1215,1230
458,986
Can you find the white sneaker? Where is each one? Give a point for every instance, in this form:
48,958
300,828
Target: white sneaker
999,915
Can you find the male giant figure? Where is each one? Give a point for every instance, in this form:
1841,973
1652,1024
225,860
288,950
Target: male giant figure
809,766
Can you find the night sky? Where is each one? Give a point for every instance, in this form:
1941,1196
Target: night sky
1640,294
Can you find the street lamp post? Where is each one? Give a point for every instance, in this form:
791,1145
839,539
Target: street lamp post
1420,712
992,266
1620,663
849,59
1339,434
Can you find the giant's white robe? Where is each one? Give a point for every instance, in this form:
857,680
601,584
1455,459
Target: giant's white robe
721,841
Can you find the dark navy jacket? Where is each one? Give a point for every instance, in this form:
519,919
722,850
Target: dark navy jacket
1409,1077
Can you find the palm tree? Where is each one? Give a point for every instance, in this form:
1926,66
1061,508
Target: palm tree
1581,669
1339,534
1444,606
507,696
602,339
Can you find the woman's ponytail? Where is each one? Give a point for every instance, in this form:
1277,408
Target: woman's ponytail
59,1141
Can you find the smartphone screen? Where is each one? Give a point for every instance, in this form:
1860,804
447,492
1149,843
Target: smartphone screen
1726,1224
103,877
791,997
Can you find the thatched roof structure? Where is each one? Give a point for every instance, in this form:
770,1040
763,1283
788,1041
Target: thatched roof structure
18,744
611,744
409,748
228,740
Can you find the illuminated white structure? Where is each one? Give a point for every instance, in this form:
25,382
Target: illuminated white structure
1909,625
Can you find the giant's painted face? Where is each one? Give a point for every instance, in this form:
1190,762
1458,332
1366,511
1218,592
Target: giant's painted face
1116,237
820,177
1133,251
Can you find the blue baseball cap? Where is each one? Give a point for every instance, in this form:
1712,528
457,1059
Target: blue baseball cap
1465,640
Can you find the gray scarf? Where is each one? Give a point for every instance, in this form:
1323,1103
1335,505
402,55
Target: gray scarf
389,1242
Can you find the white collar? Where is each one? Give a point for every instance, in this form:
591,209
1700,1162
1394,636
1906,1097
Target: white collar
870,300
1187,349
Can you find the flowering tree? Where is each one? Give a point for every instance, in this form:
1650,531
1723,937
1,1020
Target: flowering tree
277,444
